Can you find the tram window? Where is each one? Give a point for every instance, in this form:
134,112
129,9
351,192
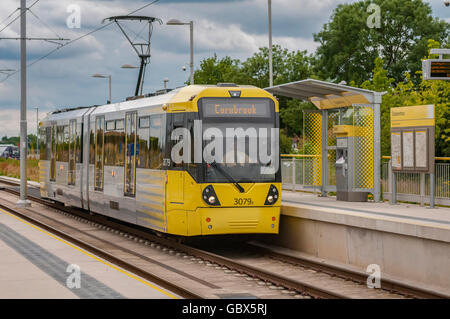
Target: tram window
114,143
109,147
92,143
142,151
58,143
144,122
157,140
65,148
79,143
120,147
177,122
44,141
110,125
113,148
119,125
62,143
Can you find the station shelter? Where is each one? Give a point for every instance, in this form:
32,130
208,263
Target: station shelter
341,137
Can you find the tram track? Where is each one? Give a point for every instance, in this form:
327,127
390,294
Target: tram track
349,274
276,280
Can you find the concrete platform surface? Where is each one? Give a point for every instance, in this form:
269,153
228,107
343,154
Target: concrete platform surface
406,241
405,219
37,264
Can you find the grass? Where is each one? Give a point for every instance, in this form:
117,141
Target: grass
11,167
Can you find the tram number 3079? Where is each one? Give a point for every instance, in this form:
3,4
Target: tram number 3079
243,201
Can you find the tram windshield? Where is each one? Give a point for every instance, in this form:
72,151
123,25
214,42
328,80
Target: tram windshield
240,140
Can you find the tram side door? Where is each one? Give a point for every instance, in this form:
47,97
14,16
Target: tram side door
99,152
72,137
53,154
130,155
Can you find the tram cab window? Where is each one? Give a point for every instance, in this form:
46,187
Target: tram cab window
178,121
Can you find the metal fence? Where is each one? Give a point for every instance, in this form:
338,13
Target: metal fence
415,187
411,187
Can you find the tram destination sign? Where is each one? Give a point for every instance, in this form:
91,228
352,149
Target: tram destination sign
237,108
412,138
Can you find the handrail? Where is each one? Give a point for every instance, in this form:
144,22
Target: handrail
383,157
436,158
299,155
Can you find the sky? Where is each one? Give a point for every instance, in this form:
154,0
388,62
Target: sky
64,79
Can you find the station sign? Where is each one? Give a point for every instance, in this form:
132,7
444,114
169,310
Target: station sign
412,138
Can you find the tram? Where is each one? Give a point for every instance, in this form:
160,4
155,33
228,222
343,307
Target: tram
122,160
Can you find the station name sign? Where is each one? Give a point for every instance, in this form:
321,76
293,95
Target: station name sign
412,138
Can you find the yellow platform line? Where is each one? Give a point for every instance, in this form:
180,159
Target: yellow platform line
92,256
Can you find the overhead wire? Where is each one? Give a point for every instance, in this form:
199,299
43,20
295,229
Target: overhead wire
18,16
72,41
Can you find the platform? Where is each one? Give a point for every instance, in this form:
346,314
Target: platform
408,242
37,264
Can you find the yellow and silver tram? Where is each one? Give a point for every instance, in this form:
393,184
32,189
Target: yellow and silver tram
116,160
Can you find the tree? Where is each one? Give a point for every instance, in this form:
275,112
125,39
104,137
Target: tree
288,66
406,93
213,70
292,115
348,47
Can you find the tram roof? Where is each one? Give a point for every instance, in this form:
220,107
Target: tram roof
324,95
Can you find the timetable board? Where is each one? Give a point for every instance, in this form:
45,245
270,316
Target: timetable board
412,138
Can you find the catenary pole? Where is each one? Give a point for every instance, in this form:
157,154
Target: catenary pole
23,106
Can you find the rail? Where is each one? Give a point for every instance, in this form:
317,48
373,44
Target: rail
299,286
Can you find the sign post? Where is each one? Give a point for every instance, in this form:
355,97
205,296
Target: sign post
412,144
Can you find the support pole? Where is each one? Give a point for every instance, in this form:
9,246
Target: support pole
191,26
422,189
377,147
324,153
138,85
394,189
109,80
270,45
23,202
432,185
37,134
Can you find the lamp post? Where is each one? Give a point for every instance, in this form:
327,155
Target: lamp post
270,44
37,131
96,75
191,27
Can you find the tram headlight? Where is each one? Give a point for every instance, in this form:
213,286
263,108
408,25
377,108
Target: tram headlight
209,196
272,195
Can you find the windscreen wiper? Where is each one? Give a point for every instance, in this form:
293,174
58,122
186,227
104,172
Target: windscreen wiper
228,176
